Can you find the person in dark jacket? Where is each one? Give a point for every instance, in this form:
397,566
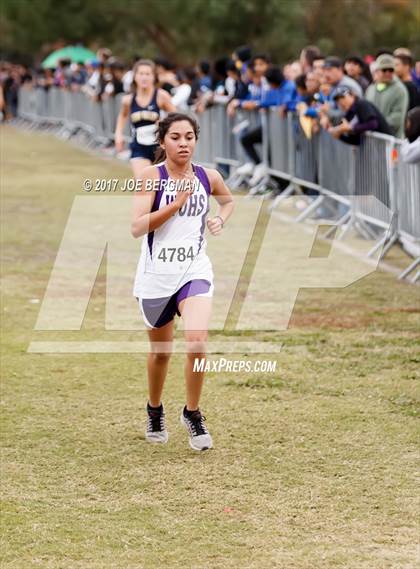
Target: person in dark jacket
410,148
359,116
403,65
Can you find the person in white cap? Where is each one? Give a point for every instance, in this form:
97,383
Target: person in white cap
388,94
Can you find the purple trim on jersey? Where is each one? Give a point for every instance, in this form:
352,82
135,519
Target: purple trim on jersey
204,179
163,172
203,225
163,175
202,176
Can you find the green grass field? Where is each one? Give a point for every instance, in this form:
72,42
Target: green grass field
313,467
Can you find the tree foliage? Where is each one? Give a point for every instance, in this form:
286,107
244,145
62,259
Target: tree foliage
185,31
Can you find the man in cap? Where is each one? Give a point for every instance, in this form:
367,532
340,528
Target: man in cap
388,94
333,74
359,116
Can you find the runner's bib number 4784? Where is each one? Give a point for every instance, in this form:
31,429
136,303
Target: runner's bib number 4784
172,257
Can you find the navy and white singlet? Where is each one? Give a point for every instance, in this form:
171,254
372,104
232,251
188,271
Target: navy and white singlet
143,127
175,253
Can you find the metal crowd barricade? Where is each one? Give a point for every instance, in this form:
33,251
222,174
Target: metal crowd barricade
109,117
127,131
219,140
56,105
359,177
336,184
374,203
292,156
80,112
27,107
71,111
375,150
336,165
277,132
304,154
406,180
204,149
254,119
41,104
225,142
339,171
95,119
385,192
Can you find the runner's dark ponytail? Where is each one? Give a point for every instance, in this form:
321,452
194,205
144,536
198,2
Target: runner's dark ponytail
163,127
160,155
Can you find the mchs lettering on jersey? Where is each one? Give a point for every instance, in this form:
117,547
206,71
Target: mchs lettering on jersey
194,206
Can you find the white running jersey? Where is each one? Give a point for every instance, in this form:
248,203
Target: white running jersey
175,252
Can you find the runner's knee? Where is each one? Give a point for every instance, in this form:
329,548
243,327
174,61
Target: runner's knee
196,342
160,357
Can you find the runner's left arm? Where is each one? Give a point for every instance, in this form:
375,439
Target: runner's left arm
164,101
224,198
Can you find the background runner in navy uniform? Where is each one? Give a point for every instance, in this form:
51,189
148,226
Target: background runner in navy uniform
143,108
174,220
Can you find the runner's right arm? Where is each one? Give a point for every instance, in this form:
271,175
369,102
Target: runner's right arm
144,220
122,118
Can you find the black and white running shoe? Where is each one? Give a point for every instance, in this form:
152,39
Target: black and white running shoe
194,422
156,429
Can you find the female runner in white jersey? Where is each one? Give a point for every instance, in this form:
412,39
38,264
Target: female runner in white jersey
174,274
143,107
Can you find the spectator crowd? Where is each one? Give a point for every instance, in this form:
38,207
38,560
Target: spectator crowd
346,97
